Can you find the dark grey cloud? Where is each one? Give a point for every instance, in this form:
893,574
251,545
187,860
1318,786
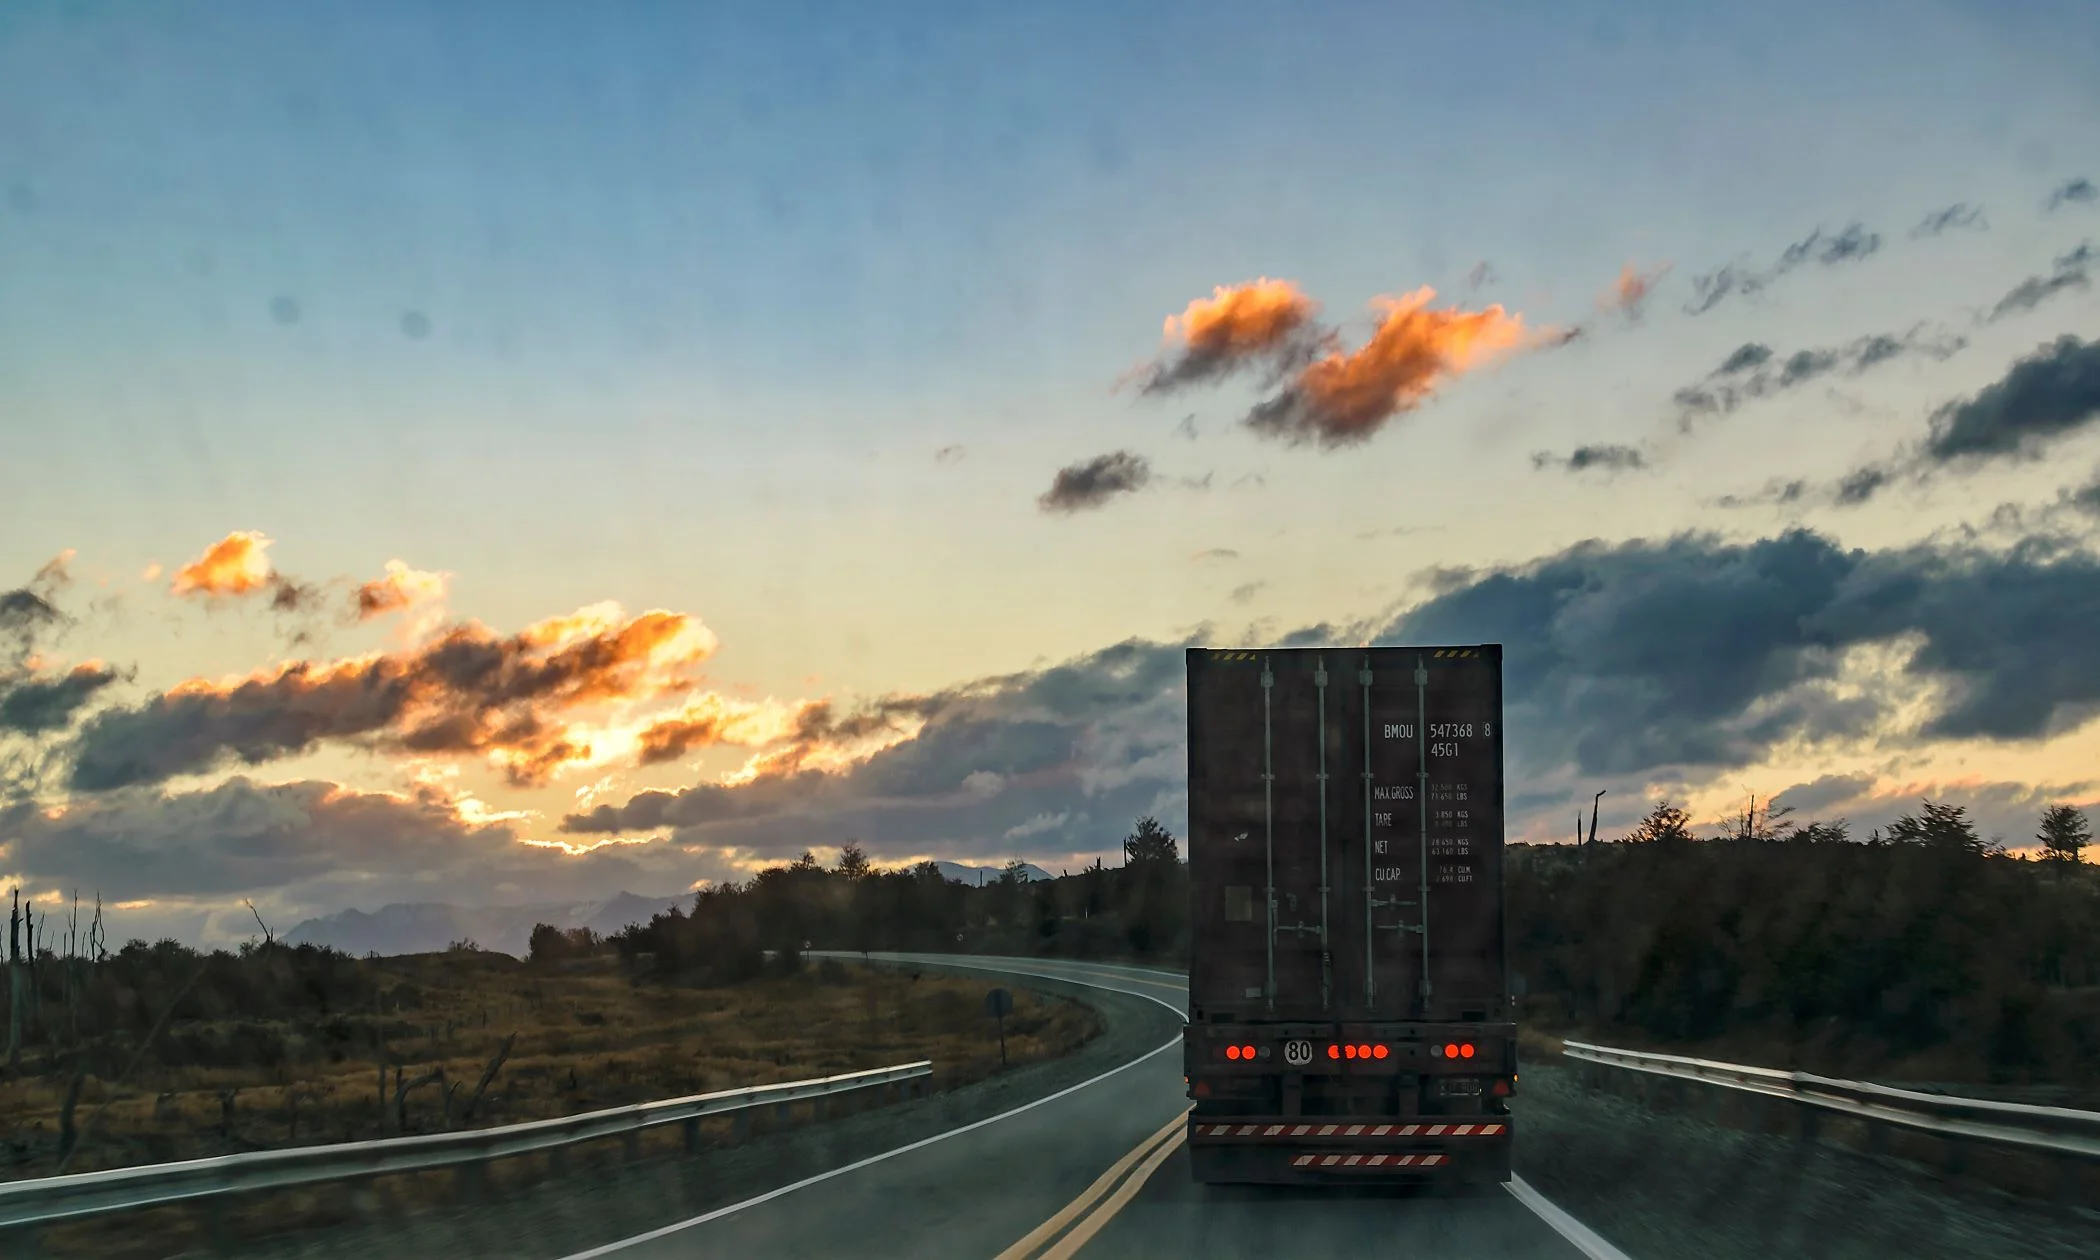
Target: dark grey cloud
953,453
1097,739
1753,371
1092,483
1689,657
1695,652
1216,553
2042,399
1860,485
1245,592
1482,275
39,704
1851,243
2071,270
1779,492
467,691
1750,354
1583,458
2048,395
2079,191
311,847
2086,498
1809,800
1187,427
1959,215
30,612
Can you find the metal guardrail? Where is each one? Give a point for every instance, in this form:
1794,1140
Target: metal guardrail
44,1200
2056,1131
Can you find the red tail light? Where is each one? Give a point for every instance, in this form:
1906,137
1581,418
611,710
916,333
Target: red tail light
1232,1052
1466,1051
1349,1051
1451,1051
1334,1052
1378,1052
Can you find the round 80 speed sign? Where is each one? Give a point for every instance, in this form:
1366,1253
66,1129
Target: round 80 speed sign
1297,1053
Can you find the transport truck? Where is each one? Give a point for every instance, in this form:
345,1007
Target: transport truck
1350,1012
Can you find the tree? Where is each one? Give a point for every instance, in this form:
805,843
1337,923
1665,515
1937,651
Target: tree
547,943
1150,843
1666,823
2064,834
853,860
1944,828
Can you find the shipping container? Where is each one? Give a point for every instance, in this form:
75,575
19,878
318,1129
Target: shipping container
1349,1003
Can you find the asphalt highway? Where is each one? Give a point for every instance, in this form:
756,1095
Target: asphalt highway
1099,1170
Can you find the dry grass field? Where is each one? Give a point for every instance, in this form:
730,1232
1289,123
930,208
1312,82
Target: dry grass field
581,1036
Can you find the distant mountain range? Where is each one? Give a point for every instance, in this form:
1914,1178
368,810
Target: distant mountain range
428,927
978,876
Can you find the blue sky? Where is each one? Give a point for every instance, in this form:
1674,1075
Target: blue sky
672,305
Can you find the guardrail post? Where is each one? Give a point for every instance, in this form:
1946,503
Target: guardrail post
784,1115
2069,1178
741,1126
692,1135
1807,1121
216,1235
470,1181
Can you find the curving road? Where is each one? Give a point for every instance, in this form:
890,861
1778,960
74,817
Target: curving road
1099,1170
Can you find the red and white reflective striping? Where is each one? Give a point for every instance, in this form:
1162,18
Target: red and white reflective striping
1367,1161
1348,1130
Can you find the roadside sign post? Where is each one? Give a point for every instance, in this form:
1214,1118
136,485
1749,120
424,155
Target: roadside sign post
999,1004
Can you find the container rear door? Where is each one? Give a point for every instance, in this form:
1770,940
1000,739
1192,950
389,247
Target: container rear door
1255,823
1433,767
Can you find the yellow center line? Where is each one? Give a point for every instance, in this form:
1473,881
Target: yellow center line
1069,1245
1048,1229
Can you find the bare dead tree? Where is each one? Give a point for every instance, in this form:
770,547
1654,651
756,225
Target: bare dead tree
403,1088
488,1074
136,1055
15,995
68,1136
269,938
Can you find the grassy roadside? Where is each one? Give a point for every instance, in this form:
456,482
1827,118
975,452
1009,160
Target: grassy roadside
584,1036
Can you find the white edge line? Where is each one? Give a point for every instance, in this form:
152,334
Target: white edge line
1586,1240
667,1230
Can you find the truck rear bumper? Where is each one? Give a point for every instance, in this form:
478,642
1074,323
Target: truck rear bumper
1295,1151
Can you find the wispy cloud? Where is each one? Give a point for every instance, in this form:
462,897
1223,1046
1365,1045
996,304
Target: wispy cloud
1850,244
2080,191
1753,370
1958,216
1630,291
1583,458
2071,270
2042,399
1092,483
1261,322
